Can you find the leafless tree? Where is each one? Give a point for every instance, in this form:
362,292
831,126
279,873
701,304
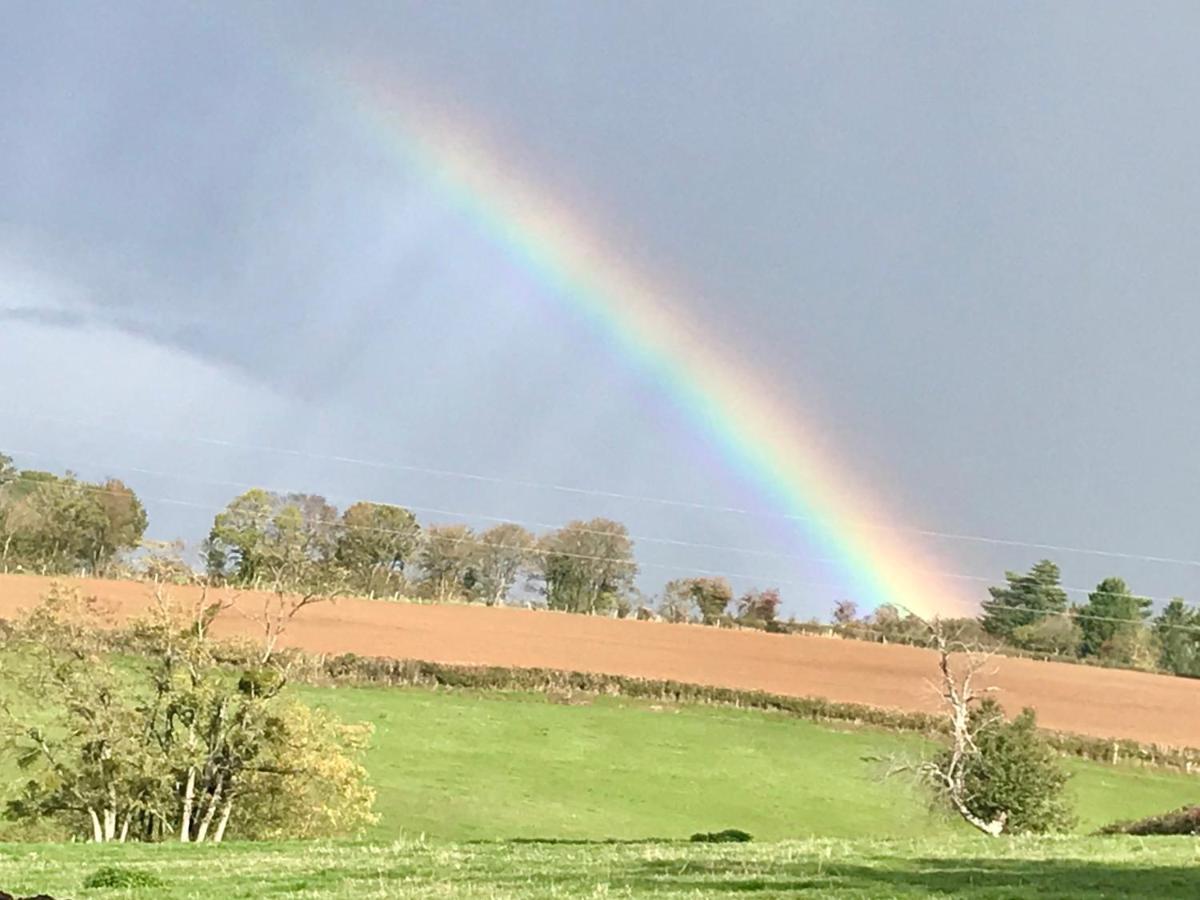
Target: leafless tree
960,666
288,596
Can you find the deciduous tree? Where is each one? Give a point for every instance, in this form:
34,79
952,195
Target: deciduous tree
999,776
758,609
125,520
586,567
677,603
174,747
261,537
374,543
445,558
499,557
845,612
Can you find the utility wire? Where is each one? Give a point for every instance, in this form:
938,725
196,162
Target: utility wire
617,495
477,540
474,539
647,539
534,524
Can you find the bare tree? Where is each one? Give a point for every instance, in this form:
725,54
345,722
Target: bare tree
960,692
294,587
279,607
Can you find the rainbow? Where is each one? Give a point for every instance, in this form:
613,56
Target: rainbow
759,435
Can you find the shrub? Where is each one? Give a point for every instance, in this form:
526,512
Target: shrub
260,682
121,877
1014,774
1180,821
728,836
1055,635
98,757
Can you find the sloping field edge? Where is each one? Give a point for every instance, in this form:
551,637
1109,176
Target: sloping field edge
352,669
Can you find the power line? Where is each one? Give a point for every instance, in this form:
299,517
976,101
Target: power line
617,495
1072,614
591,557
649,539
936,573
982,579
458,514
473,539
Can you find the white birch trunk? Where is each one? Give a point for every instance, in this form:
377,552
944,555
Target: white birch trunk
220,833
213,802
189,797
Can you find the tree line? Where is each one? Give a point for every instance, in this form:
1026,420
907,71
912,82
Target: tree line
302,543
1032,613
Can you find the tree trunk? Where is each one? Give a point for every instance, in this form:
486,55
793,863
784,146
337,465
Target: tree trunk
125,827
220,833
213,802
189,797
993,829
97,831
110,815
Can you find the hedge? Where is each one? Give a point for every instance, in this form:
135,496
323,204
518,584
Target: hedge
350,668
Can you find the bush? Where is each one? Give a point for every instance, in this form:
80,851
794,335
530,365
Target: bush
1055,635
728,836
261,682
1014,772
121,877
1180,821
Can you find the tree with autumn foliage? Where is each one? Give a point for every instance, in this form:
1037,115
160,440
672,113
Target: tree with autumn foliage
174,746
62,525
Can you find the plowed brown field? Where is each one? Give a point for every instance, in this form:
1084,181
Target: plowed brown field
1081,699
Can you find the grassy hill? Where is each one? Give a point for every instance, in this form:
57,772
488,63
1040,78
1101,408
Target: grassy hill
969,867
466,781
464,766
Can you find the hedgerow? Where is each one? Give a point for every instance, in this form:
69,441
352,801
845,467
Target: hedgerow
350,668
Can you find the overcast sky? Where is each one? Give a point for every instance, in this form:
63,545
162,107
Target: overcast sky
964,236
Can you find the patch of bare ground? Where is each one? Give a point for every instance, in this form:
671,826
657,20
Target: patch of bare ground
1108,703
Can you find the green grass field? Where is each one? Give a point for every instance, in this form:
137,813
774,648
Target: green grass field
467,782
960,867
462,766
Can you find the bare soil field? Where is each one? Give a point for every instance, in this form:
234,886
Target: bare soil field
1082,699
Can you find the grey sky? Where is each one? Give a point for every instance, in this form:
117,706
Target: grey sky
964,235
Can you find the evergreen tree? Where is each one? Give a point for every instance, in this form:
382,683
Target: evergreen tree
1177,628
1111,610
1026,599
